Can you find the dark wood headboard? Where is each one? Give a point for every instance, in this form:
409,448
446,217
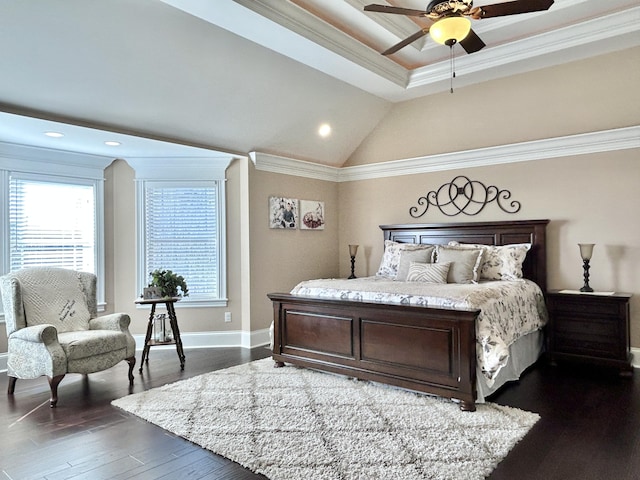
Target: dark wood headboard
486,233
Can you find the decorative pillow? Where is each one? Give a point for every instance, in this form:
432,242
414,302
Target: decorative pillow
428,272
56,299
500,262
465,262
408,256
391,257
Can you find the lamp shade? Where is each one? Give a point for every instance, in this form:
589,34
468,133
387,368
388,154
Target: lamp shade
450,30
586,250
353,249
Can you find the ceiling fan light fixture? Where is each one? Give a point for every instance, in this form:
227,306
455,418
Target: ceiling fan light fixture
450,30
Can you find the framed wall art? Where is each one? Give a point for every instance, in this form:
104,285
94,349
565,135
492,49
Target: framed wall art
311,215
283,212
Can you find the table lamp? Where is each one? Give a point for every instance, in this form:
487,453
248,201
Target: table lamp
586,250
353,249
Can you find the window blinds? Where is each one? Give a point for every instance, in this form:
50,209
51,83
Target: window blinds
51,224
181,234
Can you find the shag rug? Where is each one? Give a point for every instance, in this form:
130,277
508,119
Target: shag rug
294,423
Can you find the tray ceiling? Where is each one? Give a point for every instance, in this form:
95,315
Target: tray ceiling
339,38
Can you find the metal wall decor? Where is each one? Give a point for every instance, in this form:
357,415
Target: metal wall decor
463,195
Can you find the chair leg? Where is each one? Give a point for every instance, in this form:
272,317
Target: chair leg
12,385
53,384
132,363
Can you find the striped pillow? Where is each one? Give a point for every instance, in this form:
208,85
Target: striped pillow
428,272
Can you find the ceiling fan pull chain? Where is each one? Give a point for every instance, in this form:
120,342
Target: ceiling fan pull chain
452,58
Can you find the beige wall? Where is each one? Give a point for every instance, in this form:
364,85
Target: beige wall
282,258
588,198
592,95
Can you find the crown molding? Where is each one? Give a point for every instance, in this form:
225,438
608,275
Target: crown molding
185,168
25,158
594,37
289,166
571,145
582,144
310,27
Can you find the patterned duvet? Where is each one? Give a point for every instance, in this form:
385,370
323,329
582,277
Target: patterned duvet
508,309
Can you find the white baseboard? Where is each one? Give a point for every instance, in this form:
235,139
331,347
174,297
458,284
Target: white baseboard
234,338
635,361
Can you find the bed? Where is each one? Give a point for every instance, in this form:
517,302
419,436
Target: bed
423,347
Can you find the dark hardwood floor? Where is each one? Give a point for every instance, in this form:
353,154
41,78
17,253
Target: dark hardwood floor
589,426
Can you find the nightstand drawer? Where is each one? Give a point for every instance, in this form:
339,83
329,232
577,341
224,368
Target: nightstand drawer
579,326
579,306
606,347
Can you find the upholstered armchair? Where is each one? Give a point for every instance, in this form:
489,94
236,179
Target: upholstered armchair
53,328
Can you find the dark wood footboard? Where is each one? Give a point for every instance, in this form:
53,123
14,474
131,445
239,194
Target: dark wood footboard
429,350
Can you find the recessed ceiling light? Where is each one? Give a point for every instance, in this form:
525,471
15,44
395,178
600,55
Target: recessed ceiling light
112,143
324,130
54,134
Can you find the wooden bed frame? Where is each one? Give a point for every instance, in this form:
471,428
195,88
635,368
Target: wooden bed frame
426,349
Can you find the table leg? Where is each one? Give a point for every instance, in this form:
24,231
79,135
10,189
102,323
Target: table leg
173,321
147,338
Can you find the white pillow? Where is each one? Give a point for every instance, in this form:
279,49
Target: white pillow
408,256
500,262
465,263
391,257
428,272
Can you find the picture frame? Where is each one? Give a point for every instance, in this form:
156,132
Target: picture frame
151,293
312,215
283,213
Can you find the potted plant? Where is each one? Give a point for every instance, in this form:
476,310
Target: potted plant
169,283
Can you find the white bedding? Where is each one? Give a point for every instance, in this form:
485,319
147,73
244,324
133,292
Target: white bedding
509,309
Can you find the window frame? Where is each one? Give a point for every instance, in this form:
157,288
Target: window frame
220,299
190,170
55,166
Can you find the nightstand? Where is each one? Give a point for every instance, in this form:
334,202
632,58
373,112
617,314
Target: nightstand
589,327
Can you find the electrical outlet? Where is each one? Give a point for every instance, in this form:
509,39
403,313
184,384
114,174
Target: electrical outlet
227,317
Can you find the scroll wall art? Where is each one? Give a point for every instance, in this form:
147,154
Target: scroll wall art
466,196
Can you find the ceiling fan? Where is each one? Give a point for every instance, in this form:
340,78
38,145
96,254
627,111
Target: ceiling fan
451,20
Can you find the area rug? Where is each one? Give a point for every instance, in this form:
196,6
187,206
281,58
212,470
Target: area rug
293,423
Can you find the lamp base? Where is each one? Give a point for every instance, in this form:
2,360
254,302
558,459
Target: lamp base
585,266
353,266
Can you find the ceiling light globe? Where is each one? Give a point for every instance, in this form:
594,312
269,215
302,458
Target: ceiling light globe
450,28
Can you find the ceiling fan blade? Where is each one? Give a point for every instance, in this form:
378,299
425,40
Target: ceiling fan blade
511,8
396,10
472,42
406,41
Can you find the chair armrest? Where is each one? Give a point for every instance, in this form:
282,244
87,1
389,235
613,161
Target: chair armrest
114,321
46,334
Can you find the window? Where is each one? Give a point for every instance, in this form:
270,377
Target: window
182,231
52,212
52,223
